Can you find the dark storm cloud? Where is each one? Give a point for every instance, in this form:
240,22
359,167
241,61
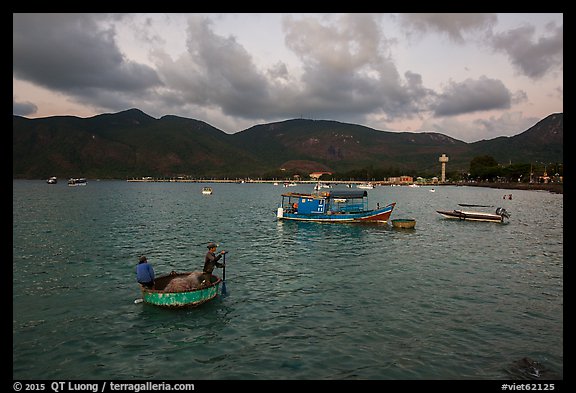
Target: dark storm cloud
216,71
534,58
472,96
345,73
227,70
507,124
347,70
23,108
73,54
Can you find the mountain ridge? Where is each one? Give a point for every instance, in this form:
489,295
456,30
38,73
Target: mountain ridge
131,143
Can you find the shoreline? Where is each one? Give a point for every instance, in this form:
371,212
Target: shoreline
555,188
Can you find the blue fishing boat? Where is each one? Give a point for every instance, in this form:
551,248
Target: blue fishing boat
332,206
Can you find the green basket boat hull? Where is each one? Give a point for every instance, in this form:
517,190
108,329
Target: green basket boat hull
192,298
405,223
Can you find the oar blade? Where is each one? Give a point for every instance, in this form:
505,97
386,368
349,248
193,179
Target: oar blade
224,291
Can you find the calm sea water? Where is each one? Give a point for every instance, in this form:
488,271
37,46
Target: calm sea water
447,300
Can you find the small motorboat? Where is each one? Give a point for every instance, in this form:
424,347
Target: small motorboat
207,190
52,180
73,182
499,216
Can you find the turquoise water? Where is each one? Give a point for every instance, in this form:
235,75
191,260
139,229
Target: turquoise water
447,300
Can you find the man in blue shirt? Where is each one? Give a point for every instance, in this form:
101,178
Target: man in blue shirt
145,273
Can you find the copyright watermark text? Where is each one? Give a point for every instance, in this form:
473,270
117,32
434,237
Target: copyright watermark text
100,387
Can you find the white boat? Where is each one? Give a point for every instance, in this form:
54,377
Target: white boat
52,180
365,186
319,186
207,190
73,182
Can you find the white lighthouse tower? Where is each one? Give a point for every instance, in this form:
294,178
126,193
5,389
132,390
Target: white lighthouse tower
443,159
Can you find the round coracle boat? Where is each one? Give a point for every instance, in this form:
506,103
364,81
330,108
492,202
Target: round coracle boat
406,223
162,295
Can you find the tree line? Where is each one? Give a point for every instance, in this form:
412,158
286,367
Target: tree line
482,169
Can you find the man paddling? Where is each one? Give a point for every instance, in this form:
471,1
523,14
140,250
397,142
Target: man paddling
211,261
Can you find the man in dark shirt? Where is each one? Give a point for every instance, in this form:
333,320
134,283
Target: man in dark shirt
211,261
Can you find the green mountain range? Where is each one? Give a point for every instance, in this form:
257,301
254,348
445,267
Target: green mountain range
132,144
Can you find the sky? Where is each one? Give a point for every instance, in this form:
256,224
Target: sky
469,76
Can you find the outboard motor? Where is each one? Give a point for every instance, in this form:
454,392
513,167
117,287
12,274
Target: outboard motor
502,212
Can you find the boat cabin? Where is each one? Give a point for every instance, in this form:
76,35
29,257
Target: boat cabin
331,202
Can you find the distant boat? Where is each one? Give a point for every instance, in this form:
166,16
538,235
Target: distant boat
332,206
432,190
52,180
365,186
319,185
207,190
73,182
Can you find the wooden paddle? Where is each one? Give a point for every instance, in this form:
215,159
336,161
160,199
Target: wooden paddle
224,275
